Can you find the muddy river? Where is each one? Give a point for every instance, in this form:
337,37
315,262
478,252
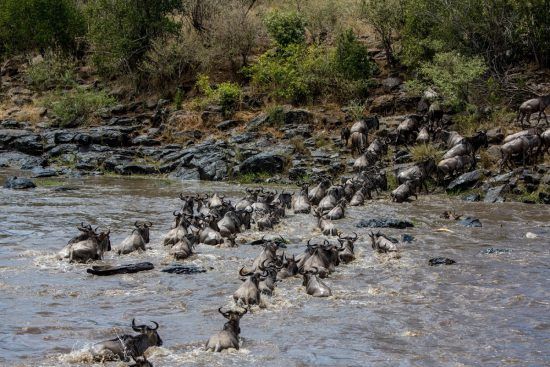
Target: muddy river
486,310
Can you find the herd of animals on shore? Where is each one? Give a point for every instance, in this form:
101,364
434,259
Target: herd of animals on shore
213,220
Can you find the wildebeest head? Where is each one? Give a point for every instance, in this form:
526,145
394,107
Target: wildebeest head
153,338
233,318
143,230
104,241
285,198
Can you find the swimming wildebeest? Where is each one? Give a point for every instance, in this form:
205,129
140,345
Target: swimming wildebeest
87,246
229,336
126,346
137,240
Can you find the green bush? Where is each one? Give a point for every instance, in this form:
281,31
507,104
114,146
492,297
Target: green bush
452,75
54,70
27,25
120,32
351,57
77,105
228,95
285,28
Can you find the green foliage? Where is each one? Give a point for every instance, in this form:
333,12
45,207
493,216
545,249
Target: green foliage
503,31
77,105
250,178
276,115
452,75
121,31
356,110
423,152
285,28
351,57
54,70
228,95
27,25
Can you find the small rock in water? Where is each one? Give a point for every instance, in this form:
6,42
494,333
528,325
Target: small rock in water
19,183
531,235
472,197
104,270
470,222
184,269
441,261
492,250
64,188
407,238
384,223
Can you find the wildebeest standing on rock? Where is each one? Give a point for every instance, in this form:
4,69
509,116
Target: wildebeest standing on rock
126,346
229,336
137,239
404,191
538,104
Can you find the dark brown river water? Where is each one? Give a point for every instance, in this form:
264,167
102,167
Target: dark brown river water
487,310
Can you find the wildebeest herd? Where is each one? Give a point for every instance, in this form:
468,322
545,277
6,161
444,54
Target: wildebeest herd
215,221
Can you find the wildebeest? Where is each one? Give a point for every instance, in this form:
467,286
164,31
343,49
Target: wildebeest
249,292
423,136
87,246
451,166
545,137
417,173
137,240
531,131
406,129
359,142
338,211
314,286
229,336
289,269
347,242
178,231
528,107
184,247
300,202
267,284
325,225
125,346
403,192
381,243
524,146
233,220
318,192
360,195
344,136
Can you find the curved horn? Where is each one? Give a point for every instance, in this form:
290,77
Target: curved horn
242,314
243,274
148,224
355,238
136,327
175,213
262,265
156,325
136,224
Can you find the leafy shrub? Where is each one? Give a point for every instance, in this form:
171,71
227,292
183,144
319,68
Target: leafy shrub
38,24
171,60
452,75
228,95
121,31
276,115
351,57
356,110
54,70
285,28
77,105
